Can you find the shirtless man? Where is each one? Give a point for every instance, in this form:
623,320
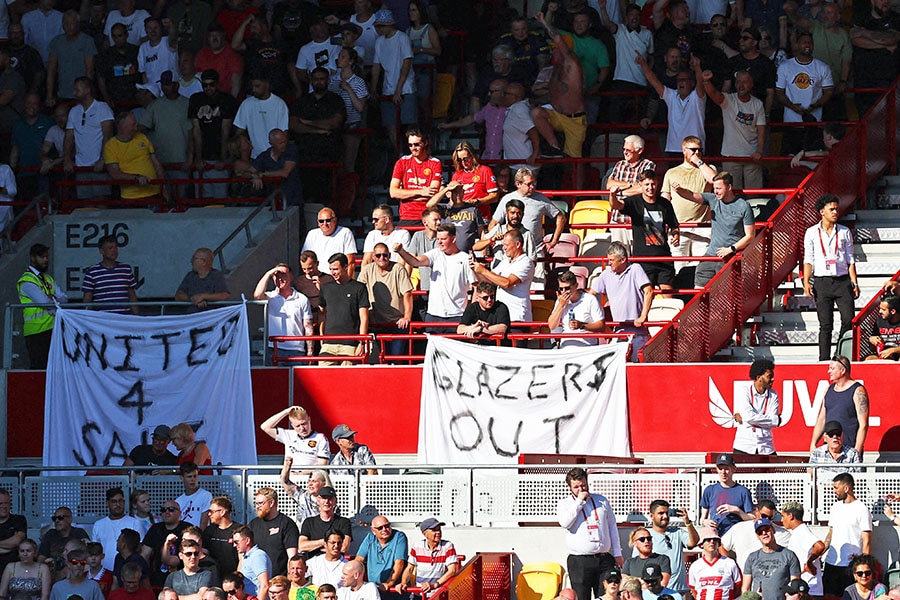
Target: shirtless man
566,112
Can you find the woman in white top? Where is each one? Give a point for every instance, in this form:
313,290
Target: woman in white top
351,87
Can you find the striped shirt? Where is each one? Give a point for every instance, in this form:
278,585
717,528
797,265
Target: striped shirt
432,564
717,580
110,285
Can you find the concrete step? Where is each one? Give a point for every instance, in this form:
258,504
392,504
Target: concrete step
877,233
779,354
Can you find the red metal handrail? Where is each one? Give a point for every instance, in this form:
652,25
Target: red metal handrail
863,323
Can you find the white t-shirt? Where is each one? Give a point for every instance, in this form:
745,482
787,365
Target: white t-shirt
368,37
193,507
368,591
390,54
627,43
702,11
259,117
303,451
88,131
587,310
451,278
802,541
286,316
134,23
397,236
847,521
740,136
189,89
154,60
341,241
106,531
322,571
803,85
516,144
318,54
686,117
517,298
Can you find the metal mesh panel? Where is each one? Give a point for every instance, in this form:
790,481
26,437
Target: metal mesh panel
345,487
496,575
877,159
754,279
784,239
693,333
721,307
170,487
777,487
86,496
631,494
526,498
409,498
657,349
464,585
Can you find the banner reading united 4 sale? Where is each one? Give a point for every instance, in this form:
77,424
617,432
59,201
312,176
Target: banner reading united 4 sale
486,405
111,379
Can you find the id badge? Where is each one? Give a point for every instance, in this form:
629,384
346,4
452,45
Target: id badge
831,266
593,532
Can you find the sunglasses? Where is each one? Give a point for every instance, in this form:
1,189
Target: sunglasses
416,144
485,297
83,116
191,554
231,593
209,84
382,527
59,517
169,509
694,149
77,562
323,221
645,538
863,573
382,255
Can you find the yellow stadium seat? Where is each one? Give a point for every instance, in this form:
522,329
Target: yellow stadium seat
590,212
539,581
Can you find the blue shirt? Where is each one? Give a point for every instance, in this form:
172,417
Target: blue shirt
716,495
29,139
256,562
380,561
293,192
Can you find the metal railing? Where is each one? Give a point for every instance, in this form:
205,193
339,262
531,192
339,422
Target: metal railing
863,323
463,495
711,318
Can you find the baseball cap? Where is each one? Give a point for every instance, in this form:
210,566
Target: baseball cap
725,459
162,431
342,432
613,573
834,428
384,16
430,523
327,492
166,77
352,27
760,523
796,586
651,572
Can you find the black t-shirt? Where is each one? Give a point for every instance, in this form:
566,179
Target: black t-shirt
274,536
154,539
875,66
270,57
53,544
13,525
27,62
316,147
218,542
210,112
761,68
667,36
314,528
144,456
120,72
293,19
342,303
499,313
889,334
650,224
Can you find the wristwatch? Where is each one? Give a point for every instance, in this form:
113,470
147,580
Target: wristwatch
733,249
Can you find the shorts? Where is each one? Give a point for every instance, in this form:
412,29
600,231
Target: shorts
659,273
409,111
574,128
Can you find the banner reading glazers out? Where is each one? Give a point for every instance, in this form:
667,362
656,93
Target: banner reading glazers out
113,378
486,405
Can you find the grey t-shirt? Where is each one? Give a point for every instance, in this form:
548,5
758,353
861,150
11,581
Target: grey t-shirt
771,571
419,245
728,221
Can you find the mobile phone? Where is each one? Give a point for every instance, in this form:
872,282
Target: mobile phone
675,512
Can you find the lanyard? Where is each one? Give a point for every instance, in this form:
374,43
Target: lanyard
753,396
822,243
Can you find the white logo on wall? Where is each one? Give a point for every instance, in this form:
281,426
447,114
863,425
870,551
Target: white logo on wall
790,389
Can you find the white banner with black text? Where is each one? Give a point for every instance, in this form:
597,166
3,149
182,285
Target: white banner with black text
111,379
486,405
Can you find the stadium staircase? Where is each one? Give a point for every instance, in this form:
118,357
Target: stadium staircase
742,313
